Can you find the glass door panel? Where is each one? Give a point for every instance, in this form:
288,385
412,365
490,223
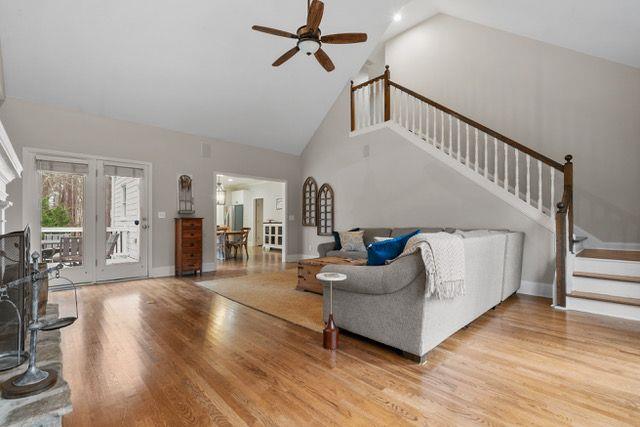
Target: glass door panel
64,207
122,221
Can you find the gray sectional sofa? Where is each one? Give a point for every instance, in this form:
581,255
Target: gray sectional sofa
388,303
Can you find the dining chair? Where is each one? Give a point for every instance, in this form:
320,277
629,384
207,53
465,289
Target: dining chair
240,243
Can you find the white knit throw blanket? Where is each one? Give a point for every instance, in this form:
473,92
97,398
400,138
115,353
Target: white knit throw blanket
443,257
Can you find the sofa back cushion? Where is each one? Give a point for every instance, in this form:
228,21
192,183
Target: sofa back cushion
371,233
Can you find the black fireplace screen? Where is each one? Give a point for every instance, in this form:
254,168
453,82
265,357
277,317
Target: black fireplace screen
14,264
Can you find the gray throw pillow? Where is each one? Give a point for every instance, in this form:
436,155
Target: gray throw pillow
352,241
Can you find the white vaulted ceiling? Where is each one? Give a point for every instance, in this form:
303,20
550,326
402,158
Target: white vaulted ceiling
608,29
195,66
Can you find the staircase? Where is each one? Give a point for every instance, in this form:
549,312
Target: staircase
606,282
531,182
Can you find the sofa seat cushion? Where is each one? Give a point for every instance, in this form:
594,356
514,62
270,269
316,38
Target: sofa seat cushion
348,254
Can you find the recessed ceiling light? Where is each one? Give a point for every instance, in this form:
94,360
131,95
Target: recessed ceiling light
397,17
230,179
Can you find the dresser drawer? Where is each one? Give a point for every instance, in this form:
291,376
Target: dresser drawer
191,234
190,245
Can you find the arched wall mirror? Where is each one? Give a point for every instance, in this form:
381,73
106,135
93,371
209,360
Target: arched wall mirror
325,210
309,198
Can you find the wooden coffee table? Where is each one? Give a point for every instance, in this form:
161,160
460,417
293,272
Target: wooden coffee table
308,268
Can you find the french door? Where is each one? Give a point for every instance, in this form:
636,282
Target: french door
122,221
90,214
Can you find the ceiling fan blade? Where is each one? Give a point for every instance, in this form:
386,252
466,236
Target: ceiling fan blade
287,55
274,32
314,17
344,38
324,60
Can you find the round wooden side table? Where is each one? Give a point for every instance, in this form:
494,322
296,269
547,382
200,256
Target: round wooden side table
330,332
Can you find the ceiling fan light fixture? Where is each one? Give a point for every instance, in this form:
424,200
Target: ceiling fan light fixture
309,46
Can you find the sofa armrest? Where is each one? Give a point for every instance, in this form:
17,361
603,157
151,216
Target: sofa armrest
325,247
378,280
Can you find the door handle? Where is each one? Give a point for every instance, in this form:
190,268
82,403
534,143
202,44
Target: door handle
145,226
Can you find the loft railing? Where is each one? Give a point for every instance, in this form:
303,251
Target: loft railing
522,172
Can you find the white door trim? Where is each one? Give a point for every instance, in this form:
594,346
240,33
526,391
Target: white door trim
30,188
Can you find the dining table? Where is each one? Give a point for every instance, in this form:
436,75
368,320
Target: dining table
227,235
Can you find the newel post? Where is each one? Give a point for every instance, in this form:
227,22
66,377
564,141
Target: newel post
561,256
353,110
387,94
568,188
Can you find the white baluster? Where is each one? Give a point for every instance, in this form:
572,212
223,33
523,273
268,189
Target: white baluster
442,130
528,159
356,99
553,191
475,159
397,107
420,119
517,188
368,102
495,160
506,167
428,123
450,135
380,102
400,101
374,90
466,153
458,142
406,110
486,165
414,108
539,185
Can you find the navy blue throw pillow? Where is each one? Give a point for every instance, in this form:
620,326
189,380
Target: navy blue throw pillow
379,252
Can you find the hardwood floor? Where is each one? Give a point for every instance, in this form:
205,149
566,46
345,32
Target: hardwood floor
166,352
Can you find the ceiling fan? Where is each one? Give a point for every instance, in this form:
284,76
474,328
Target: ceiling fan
310,39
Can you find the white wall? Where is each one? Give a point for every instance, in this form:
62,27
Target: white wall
552,99
171,153
400,185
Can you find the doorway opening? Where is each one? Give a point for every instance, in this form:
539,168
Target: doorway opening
250,220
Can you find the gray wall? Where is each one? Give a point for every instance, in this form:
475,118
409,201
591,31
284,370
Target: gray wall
398,184
552,99
36,125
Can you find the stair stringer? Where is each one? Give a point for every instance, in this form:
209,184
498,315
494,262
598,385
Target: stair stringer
531,212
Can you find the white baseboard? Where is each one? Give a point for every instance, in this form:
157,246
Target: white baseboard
169,270
298,257
536,289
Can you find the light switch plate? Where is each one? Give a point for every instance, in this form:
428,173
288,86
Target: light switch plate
292,217
162,215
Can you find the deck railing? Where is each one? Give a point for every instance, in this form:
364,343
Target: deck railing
523,173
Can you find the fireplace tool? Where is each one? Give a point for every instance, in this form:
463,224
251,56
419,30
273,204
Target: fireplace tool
35,380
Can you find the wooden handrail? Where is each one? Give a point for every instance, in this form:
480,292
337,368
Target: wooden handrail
367,83
473,123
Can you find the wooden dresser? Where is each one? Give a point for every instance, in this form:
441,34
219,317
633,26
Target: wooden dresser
188,246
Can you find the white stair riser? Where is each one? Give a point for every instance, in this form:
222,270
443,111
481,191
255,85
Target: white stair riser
605,308
605,266
609,287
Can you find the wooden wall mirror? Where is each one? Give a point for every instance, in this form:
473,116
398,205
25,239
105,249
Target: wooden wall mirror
309,198
325,210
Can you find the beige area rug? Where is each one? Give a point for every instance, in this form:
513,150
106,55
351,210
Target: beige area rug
274,294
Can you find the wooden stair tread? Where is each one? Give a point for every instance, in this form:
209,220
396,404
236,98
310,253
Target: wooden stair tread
610,254
605,298
615,277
